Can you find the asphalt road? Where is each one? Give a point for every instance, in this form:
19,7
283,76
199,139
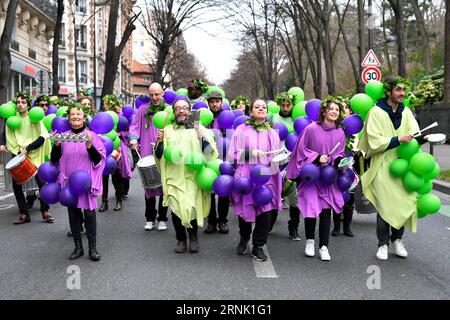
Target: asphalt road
143,265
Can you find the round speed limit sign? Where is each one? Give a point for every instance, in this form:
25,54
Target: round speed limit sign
371,73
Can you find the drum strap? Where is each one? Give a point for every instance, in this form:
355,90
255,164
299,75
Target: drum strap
361,166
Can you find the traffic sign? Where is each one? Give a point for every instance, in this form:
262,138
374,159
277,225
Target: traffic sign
371,73
371,60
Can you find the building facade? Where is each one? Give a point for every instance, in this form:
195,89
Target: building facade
142,78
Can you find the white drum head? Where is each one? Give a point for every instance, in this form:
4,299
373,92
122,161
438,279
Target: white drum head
437,138
280,158
147,161
14,161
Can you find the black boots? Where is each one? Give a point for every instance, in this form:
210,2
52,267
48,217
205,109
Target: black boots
293,232
118,206
104,206
78,252
193,242
348,215
337,224
93,254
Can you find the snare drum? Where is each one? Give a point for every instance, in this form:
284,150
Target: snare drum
21,169
437,138
346,163
150,176
281,160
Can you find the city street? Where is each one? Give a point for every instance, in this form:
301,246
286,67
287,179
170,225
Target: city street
143,265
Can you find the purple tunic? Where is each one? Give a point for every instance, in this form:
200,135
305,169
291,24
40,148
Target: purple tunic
146,137
245,137
74,156
316,140
123,164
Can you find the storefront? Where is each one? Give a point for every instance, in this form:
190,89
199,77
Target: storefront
23,77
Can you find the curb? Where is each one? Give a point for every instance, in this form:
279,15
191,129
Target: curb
441,186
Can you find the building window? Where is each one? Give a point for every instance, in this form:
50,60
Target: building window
62,70
80,6
15,45
82,71
62,36
81,37
32,54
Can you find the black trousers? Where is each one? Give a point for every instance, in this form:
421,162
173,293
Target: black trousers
120,184
386,232
180,230
222,207
20,197
294,215
90,222
324,227
261,230
150,210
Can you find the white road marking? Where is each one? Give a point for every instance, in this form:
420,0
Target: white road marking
7,196
264,269
6,206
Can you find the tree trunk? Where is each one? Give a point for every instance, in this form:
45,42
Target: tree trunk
361,44
75,55
447,56
423,35
398,7
56,42
329,66
385,43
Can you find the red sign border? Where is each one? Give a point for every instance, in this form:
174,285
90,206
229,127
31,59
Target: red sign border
370,69
365,65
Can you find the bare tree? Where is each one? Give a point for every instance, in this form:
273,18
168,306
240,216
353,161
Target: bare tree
56,43
423,35
398,8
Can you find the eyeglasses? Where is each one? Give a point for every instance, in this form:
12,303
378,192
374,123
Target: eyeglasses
181,108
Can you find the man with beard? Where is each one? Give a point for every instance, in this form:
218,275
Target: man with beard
196,90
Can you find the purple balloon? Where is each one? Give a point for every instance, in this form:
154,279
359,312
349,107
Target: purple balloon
309,173
49,193
243,185
51,109
225,106
328,175
67,198
141,100
262,195
123,124
80,182
238,113
223,143
60,124
344,183
290,141
102,123
110,165
240,120
350,173
353,124
181,97
282,130
48,172
127,110
312,108
346,196
200,105
226,168
223,185
301,123
260,174
226,119
108,143
169,96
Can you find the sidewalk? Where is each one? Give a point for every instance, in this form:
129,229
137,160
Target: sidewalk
442,154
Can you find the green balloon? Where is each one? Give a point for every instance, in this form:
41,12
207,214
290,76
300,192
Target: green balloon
422,163
433,174
169,109
429,203
225,100
36,114
363,116
173,154
407,149
399,167
427,187
48,121
406,102
8,109
114,116
420,214
62,111
14,122
206,116
215,89
205,178
375,90
299,110
214,165
290,127
112,135
161,119
273,107
412,182
361,103
298,94
194,161
270,115
182,91
116,143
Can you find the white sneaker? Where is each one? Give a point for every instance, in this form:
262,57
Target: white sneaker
382,253
324,254
162,226
309,249
149,226
399,248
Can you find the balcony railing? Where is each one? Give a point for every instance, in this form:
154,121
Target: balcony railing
47,7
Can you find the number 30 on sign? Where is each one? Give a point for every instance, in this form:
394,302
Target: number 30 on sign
371,73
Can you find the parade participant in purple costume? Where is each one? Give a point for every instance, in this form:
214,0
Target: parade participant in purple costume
223,204
315,199
248,147
88,157
142,129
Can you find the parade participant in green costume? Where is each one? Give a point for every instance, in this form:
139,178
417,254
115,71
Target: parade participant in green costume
388,124
189,204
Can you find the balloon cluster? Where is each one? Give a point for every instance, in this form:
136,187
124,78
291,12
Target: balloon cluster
417,170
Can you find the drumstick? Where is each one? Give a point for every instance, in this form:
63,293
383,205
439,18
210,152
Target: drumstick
427,128
273,151
334,149
137,153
